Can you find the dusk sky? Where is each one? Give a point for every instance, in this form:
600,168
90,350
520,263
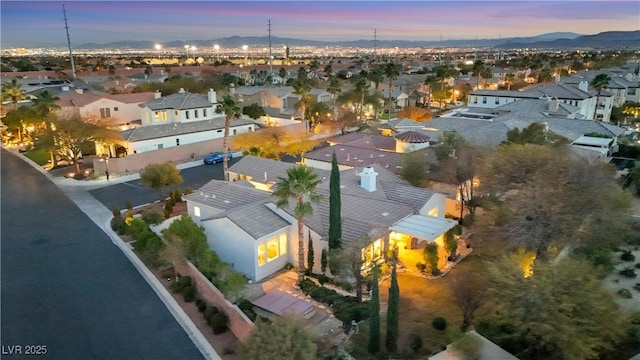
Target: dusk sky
40,23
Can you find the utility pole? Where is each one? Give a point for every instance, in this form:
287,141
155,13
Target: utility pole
375,39
66,26
270,56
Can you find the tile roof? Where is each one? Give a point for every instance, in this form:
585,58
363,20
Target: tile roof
179,101
257,168
358,157
225,195
255,219
81,100
413,137
179,128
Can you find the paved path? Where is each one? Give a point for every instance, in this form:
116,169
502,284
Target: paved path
65,285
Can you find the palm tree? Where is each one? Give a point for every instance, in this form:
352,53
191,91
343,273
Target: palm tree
301,88
299,186
598,83
360,84
334,88
430,81
230,108
391,71
13,91
477,68
509,79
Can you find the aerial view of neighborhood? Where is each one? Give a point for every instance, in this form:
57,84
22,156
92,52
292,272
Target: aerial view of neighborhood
300,180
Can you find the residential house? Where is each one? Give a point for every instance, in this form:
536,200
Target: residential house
581,96
247,230
179,119
487,350
121,110
276,101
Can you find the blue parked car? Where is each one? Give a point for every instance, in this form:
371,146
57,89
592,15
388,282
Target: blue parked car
215,157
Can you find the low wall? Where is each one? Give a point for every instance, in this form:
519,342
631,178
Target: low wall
240,325
176,154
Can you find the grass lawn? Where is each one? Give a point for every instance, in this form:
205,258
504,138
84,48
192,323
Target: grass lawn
422,300
39,156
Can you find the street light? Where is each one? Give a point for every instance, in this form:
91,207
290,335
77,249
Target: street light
216,47
158,47
245,48
186,47
106,164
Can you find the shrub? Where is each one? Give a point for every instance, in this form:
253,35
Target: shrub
152,217
625,293
219,323
415,341
636,287
627,256
439,323
201,305
176,196
185,281
288,266
628,272
115,211
119,225
209,312
323,279
638,266
175,287
188,293
128,205
188,191
247,308
422,267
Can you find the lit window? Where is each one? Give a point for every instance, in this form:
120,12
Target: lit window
156,116
272,249
283,244
433,212
196,211
164,115
261,250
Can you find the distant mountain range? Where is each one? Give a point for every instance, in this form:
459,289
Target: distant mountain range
558,40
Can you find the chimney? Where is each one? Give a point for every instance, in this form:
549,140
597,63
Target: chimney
211,95
157,94
368,179
181,91
553,105
583,85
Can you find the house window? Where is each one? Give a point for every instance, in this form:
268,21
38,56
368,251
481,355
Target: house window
474,99
196,114
158,116
177,141
262,249
204,112
160,146
283,244
631,91
186,114
115,108
105,112
497,101
196,211
433,212
235,131
272,249
484,99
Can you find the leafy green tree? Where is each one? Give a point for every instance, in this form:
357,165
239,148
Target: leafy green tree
449,142
478,71
335,206
431,258
282,73
24,121
635,177
300,186
334,88
310,254
191,236
160,176
230,108
547,311
253,111
43,105
542,189
284,338
374,316
324,261
73,134
393,313
599,82
536,133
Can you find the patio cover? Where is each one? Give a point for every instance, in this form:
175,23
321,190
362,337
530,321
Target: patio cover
279,303
423,227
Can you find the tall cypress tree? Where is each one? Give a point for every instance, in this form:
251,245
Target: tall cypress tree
335,206
310,255
374,317
393,313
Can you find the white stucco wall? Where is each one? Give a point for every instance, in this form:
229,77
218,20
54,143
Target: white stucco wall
437,202
170,141
232,244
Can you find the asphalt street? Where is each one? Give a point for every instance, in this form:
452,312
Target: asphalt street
67,287
117,195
